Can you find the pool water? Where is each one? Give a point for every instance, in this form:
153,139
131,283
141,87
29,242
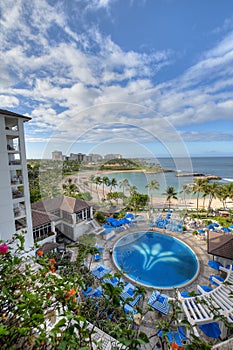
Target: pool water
156,260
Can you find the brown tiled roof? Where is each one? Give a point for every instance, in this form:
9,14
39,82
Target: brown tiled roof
68,204
220,244
73,205
13,114
48,246
41,218
48,204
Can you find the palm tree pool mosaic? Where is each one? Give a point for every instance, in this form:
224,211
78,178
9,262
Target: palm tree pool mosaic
156,260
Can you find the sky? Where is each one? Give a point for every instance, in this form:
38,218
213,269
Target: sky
141,78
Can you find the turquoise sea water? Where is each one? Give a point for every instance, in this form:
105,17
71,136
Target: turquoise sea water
220,166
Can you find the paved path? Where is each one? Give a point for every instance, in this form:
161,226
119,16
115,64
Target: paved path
198,245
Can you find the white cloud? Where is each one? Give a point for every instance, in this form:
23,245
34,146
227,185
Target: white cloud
79,79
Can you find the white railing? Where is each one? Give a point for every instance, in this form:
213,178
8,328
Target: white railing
226,345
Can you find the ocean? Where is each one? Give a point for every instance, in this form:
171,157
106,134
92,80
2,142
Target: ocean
219,166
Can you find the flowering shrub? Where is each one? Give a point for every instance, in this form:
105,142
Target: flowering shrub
4,248
29,295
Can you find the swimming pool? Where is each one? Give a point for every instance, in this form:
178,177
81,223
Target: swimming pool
156,260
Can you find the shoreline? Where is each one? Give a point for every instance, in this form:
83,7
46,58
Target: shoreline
158,202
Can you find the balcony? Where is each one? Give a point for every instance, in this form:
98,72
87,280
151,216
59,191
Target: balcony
20,224
17,194
19,211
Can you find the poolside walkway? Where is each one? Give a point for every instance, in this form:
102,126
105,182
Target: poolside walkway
198,245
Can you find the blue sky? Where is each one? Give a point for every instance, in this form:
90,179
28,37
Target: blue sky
136,77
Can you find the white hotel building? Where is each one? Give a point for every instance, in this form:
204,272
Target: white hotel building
15,209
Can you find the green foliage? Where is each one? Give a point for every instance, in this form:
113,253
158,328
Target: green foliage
120,164
100,217
32,297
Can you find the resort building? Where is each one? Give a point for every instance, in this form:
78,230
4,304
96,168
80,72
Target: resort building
57,155
112,156
69,216
15,211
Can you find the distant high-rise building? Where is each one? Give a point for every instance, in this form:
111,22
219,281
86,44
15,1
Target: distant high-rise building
15,209
95,157
112,156
57,155
77,156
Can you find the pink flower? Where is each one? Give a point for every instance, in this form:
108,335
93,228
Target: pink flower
4,248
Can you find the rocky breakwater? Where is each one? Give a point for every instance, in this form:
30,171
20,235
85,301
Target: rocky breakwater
199,176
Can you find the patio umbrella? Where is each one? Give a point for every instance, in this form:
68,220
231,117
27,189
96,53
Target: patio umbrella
100,271
110,220
211,330
226,229
214,264
216,224
210,227
159,302
200,231
129,216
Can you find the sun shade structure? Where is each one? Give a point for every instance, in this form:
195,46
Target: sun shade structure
199,309
159,302
47,247
100,271
129,293
220,245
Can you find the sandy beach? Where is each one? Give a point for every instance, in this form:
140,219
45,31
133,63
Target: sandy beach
82,180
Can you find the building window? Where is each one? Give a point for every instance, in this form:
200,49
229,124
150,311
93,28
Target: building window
67,217
67,230
41,232
56,212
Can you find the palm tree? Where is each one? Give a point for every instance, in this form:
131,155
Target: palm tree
213,189
124,183
223,193
105,182
70,189
152,186
92,180
171,194
98,181
186,189
113,183
198,187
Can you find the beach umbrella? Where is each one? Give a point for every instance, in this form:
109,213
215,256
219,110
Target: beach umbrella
110,220
211,330
231,226
216,224
210,227
129,216
226,229
200,231
214,264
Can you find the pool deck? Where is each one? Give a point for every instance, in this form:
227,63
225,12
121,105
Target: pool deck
196,243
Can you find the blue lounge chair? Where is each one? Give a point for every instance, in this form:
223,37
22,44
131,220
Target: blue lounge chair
216,277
